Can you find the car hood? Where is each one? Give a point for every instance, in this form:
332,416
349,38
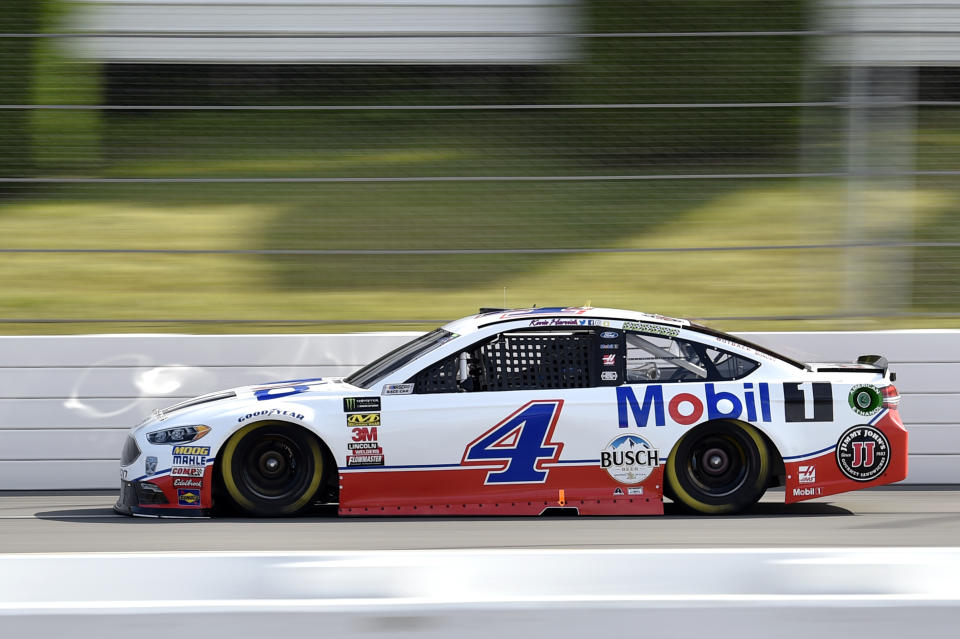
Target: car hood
300,388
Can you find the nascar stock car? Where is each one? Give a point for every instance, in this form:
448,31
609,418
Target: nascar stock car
521,411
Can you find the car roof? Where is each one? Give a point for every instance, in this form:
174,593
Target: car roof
494,316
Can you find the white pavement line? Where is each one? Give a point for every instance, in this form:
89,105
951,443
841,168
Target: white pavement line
201,605
892,554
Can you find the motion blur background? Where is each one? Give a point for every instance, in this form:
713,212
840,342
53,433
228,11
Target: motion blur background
341,165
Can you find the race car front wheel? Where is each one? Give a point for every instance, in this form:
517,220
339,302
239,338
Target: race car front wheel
719,468
271,469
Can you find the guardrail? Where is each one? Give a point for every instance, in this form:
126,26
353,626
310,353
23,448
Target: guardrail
66,401
791,593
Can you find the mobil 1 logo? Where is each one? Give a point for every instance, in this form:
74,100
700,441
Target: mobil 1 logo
807,402
863,453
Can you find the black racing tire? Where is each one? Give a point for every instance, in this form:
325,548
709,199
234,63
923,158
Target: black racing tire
270,469
719,468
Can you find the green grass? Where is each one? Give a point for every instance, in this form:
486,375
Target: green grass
487,215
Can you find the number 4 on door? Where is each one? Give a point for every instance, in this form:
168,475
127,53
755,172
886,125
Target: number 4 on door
521,444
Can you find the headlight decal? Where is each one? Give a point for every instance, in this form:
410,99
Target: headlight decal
178,434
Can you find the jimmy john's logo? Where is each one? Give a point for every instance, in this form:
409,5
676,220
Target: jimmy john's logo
363,419
863,453
629,459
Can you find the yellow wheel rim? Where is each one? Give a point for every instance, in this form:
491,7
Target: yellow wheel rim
715,509
233,489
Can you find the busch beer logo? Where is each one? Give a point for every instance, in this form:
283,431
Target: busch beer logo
687,408
863,453
629,459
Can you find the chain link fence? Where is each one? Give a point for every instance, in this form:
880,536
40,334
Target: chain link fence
210,166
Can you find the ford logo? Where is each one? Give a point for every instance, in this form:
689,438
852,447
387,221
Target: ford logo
609,335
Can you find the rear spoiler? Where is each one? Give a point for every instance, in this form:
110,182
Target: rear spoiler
865,364
879,362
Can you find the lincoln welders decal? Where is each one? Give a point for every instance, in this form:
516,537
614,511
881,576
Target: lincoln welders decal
807,402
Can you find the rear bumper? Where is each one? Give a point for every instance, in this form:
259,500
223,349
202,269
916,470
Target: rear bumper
841,468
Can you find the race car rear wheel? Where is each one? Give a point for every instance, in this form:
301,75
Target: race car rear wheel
719,468
271,469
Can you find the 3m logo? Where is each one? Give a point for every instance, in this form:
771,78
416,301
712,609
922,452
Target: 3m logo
364,434
363,419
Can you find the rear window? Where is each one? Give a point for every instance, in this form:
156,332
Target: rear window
655,358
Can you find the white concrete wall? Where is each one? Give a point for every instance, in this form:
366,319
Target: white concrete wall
297,31
67,401
904,33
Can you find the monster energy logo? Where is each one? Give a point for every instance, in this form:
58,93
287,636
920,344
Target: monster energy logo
361,404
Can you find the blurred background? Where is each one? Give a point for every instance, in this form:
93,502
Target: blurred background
341,165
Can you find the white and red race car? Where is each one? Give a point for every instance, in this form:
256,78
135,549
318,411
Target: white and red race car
515,412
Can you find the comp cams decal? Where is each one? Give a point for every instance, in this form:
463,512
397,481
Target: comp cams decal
863,453
629,459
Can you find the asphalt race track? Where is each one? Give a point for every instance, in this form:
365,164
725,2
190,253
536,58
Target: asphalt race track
84,522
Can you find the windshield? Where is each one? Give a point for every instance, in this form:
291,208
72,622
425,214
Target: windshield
378,369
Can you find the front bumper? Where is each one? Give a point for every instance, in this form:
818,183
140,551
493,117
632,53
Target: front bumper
135,501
